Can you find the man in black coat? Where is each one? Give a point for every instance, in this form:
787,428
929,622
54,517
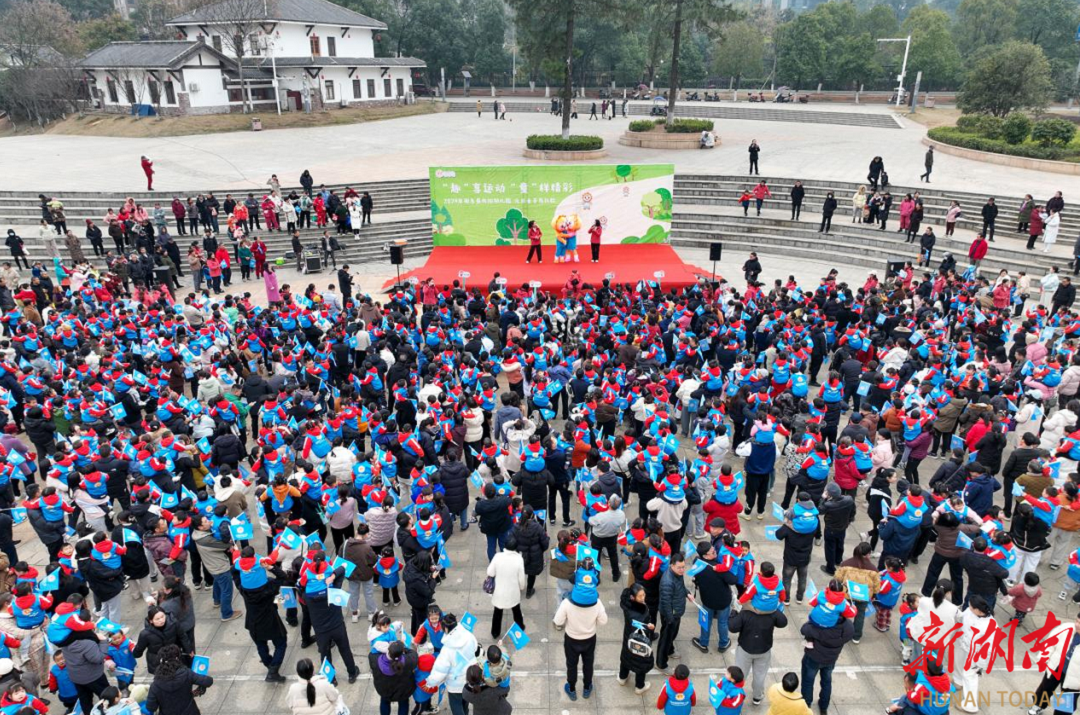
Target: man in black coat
950,475
989,216
798,549
256,391
329,625
822,648
455,481
555,460
345,283
837,511
714,595
533,487
753,652
493,513
1017,466
985,576
1065,295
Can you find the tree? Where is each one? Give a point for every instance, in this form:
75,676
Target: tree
98,33
982,23
933,51
1002,79
1050,24
239,22
32,31
150,17
511,225
739,53
89,9
801,50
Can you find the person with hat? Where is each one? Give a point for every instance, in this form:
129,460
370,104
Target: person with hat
714,584
262,620
673,598
798,542
579,622
837,511
670,505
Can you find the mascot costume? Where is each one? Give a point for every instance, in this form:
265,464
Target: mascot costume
566,229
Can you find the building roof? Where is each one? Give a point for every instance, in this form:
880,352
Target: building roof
149,55
335,62
308,12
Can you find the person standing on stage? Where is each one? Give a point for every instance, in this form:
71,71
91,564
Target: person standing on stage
594,240
534,243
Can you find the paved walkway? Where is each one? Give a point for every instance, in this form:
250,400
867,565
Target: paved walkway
405,148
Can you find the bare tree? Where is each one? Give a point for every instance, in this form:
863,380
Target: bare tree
39,81
237,21
34,32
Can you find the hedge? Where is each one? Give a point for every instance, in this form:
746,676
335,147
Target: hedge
554,142
691,126
679,126
957,137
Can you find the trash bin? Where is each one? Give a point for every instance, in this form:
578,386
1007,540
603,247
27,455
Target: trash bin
256,124
928,102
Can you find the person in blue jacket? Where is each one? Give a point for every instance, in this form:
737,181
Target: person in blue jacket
980,488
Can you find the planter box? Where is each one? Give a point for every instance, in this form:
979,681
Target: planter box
662,140
544,155
1019,162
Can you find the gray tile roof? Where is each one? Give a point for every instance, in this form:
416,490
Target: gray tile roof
336,62
150,55
309,12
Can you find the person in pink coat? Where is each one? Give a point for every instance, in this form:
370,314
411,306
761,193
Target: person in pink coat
273,294
906,207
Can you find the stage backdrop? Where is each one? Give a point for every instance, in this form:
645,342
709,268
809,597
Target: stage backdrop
492,205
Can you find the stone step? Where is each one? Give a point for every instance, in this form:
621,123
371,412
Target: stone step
836,247
372,187
712,110
932,211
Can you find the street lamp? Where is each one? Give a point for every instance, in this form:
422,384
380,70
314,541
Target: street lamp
903,67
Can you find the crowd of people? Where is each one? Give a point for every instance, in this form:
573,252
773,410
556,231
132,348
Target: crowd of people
298,456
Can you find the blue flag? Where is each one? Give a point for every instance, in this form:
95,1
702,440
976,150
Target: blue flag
288,597
468,620
200,664
337,597
349,566
50,582
518,637
858,591
328,670
770,533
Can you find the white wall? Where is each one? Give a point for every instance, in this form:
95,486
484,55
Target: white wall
343,83
208,80
140,81
293,40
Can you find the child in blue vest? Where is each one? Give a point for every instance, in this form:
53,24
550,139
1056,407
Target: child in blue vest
677,697
892,586
586,580
828,606
912,508
388,569
733,697
908,608
107,551
60,683
765,591
431,630
15,699
497,668
120,652
804,515
423,693
381,633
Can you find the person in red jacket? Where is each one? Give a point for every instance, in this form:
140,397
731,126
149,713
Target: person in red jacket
148,169
977,251
761,192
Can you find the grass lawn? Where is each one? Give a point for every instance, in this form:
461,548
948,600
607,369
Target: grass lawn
930,118
112,125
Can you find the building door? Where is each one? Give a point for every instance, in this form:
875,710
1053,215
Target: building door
295,99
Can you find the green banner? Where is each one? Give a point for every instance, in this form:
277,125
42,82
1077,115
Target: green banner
492,205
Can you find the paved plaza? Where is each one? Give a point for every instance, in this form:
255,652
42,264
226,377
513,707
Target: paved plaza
868,675
405,148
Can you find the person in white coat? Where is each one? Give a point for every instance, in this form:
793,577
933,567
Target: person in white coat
458,652
975,620
932,609
340,462
1051,226
1050,282
508,570
1054,426
312,694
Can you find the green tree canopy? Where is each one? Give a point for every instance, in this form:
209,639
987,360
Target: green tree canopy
984,23
740,52
933,51
100,32
1015,75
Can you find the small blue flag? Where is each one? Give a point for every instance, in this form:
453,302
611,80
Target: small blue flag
518,637
777,511
288,597
468,620
50,582
858,591
349,566
200,665
770,533
337,597
328,670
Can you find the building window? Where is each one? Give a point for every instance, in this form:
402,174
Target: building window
110,85
371,89
155,92
170,93
401,88
216,42
257,94
356,89
386,88
329,90
331,47
129,91
253,40
315,50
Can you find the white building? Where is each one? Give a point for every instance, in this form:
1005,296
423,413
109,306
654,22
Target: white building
324,56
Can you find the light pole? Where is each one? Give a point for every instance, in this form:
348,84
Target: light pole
903,67
273,60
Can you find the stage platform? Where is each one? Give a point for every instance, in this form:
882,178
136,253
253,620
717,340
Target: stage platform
629,263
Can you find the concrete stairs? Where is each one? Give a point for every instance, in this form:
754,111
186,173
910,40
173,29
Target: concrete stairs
711,110
850,244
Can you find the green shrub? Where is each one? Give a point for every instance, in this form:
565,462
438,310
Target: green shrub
1053,132
554,142
644,125
690,126
956,137
981,124
1016,128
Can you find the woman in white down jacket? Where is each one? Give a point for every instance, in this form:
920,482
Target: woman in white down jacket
508,569
312,694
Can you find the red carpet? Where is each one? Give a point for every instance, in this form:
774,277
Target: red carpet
628,263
